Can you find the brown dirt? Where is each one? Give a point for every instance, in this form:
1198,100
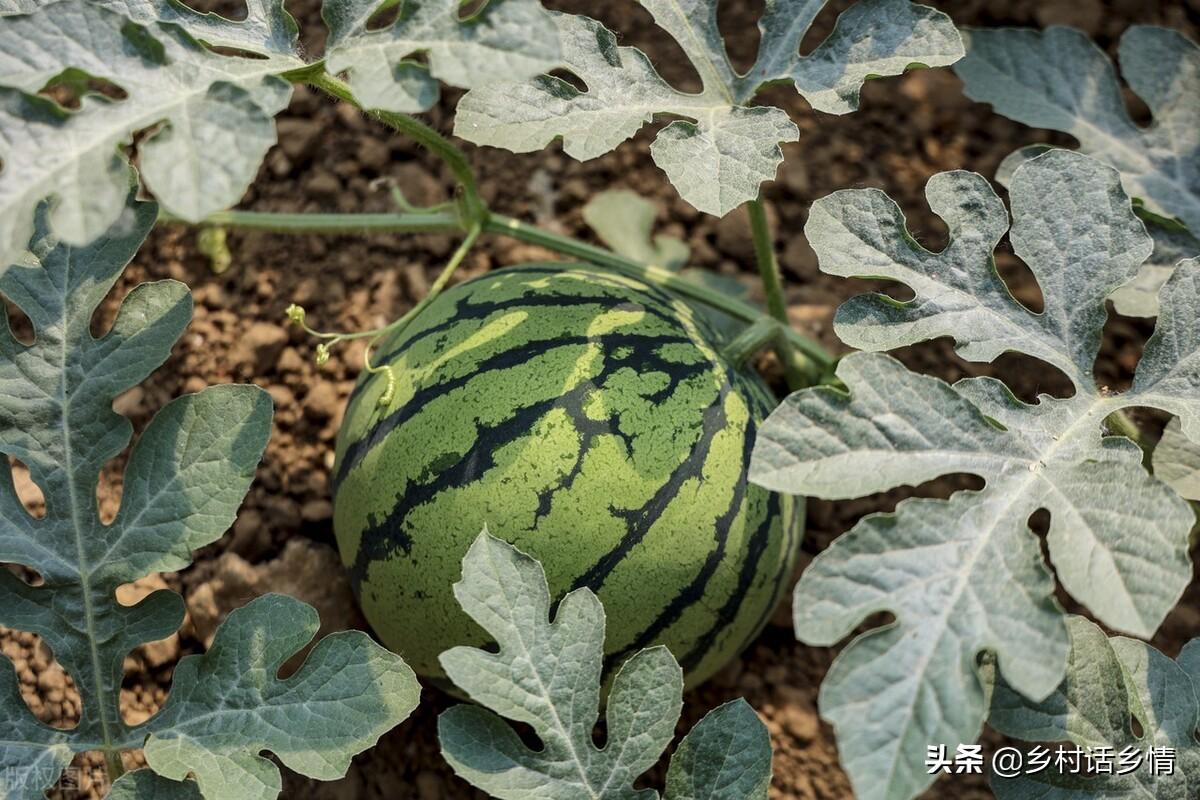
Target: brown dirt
329,159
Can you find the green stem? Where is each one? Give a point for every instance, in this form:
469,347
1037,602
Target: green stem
764,254
772,281
328,224
113,765
1119,423
442,279
744,312
474,209
447,222
752,339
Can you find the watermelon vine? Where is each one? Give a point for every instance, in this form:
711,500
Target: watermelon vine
600,414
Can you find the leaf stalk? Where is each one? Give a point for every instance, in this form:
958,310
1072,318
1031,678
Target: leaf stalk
474,210
768,269
753,338
803,359
1119,423
113,765
806,349
811,358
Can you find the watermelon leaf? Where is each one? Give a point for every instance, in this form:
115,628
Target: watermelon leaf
1177,461
1020,73
268,27
505,40
624,221
547,674
1172,244
966,575
349,692
722,148
183,483
727,755
196,103
144,784
1110,683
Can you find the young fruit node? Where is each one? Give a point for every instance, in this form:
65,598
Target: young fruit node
588,419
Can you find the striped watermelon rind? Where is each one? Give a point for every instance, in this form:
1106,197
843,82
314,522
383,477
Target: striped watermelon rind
586,418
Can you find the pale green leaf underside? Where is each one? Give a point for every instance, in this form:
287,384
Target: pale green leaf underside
227,705
1109,684
212,115
1177,461
624,221
1059,79
505,41
1139,297
547,674
967,574
720,149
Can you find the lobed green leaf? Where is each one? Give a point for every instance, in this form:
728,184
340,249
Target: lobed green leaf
1172,244
624,221
210,115
727,755
228,705
1110,683
547,674
184,480
720,149
267,27
966,575
1177,461
503,41
1059,79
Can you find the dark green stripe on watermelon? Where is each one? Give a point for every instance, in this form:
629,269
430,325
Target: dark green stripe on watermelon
586,418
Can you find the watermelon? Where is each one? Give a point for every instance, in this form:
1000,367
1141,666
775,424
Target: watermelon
587,419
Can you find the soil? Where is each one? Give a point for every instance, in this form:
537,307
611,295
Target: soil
330,158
